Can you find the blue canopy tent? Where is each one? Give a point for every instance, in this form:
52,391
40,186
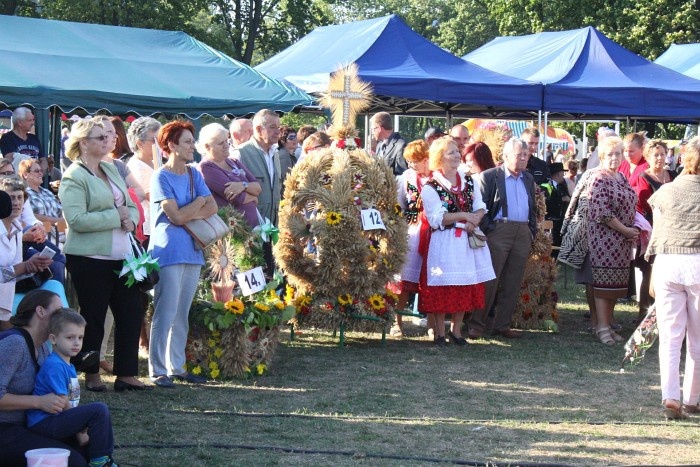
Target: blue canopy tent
586,75
408,73
683,58
127,70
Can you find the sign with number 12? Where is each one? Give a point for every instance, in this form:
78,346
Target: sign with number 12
372,220
251,281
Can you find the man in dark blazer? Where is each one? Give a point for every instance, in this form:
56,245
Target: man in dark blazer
510,225
390,143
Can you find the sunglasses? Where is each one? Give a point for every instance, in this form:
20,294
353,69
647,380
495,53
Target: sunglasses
9,172
101,137
291,137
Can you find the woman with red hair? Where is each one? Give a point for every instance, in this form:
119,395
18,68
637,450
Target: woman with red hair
178,195
478,157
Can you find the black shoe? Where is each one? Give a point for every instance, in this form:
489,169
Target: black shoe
461,341
189,378
164,382
86,360
120,386
440,341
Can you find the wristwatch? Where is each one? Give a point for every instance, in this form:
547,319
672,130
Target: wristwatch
245,186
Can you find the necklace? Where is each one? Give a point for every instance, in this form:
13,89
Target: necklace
661,179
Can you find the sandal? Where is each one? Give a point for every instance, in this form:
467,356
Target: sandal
605,336
616,337
673,411
691,408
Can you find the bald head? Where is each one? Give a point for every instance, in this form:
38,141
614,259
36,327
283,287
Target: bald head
241,130
460,135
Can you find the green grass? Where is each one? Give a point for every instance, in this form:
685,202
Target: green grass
548,398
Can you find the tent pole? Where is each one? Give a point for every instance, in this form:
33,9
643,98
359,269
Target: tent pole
585,139
396,123
448,121
543,143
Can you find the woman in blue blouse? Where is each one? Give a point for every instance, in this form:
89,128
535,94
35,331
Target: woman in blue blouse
178,195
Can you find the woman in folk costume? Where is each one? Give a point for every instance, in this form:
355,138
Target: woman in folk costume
453,275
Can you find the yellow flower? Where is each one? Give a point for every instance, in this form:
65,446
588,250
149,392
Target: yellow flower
304,300
333,218
262,307
279,305
345,299
211,343
214,373
197,370
218,352
235,306
392,295
376,301
289,294
213,366
260,368
215,334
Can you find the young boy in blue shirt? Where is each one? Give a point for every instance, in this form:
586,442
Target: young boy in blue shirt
89,424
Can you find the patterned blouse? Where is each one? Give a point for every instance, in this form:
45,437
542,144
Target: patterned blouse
44,202
455,201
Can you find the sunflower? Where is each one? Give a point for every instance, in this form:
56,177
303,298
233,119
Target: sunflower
392,296
218,352
333,218
376,301
262,307
397,210
279,305
235,306
345,299
289,295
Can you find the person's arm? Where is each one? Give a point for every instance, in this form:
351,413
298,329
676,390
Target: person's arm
436,213
201,208
254,187
132,182
214,178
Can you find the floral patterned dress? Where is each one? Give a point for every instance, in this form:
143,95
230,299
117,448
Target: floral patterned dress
453,274
610,196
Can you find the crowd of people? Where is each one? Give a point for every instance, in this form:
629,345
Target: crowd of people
471,225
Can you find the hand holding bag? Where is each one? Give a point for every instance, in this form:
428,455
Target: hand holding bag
147,268
477,239
204,232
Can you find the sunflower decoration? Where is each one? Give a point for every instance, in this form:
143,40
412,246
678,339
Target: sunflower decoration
324,251
221,266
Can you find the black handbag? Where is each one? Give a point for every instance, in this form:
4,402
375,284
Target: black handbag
33,282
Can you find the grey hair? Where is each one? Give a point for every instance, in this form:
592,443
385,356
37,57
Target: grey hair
260,118
20,113
513,145
207,134
237,124
139,128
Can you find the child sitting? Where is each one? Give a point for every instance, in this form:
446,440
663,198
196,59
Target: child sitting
90,424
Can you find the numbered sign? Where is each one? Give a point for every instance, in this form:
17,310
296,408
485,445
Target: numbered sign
251,281
372,220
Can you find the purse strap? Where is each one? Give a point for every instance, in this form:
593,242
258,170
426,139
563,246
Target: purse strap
189,171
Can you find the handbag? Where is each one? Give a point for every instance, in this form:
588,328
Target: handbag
477,239
153,276
204,232
33,282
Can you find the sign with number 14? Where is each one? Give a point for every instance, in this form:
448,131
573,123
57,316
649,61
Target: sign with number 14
251,281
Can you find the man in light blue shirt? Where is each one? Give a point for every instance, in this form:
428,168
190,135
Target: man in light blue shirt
510,225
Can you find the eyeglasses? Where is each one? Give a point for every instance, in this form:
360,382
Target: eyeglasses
101,137
36,171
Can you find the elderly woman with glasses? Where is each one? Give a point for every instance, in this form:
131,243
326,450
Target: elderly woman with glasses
230,182
100,215
44,203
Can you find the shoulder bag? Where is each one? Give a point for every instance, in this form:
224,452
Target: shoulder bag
204,232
